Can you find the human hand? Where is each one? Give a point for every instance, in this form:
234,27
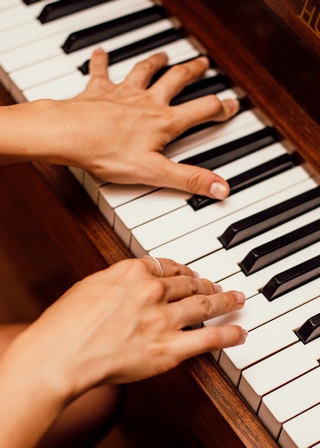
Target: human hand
124,324
118,131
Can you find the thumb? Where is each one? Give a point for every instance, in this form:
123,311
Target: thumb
193,179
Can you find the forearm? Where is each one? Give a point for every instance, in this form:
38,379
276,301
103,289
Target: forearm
27,132
29,400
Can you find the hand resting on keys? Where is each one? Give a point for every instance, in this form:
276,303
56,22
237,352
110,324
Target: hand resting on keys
118,131
59,376
119,325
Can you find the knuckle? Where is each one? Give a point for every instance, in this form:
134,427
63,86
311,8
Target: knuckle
229,301
99,81
206,306
175,269
212,104
183,71
146,65
194,182
156,288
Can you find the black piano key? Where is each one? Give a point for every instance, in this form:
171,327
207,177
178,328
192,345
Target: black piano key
107,30
292,278
29,2
280,248
150,43
221,155
260,222
247,179
202,87
62,8
310,329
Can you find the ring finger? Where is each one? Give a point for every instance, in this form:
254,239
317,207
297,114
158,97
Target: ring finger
196,309
165,267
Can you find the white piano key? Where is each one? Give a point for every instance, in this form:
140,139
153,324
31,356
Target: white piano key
92,184
63,64
269,374
290,400
145,209
204,137
166,200
302,431
259,310
203,241
113,195
20,14
185,220
237,127
57,89
224,263
6,4
34,31
70,85
266,340
78,173
49,46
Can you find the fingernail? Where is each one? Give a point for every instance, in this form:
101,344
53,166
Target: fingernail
218,190
217,287
195,274
99,51
233,105
239,296
245,335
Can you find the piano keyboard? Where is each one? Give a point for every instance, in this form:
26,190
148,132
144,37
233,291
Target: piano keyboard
263,239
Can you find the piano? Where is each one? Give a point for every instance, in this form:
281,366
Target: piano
267,53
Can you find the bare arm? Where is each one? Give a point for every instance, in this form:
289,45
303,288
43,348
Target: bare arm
118,131
119,325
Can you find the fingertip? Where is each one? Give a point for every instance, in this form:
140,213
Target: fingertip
239,297
219,190
245,335
232,106
98,51
204,60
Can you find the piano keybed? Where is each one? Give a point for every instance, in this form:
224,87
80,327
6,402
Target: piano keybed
273,371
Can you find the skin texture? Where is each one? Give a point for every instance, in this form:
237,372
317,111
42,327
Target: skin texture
125,323
117,131
119,325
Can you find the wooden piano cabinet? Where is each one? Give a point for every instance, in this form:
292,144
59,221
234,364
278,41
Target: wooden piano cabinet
209,404
275,63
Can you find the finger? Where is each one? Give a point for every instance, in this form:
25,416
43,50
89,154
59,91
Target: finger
142,73
189,178
185,287
196,342
98,64
201,110
177,77
164,267
199,308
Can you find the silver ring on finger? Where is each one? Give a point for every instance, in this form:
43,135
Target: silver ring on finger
161,271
